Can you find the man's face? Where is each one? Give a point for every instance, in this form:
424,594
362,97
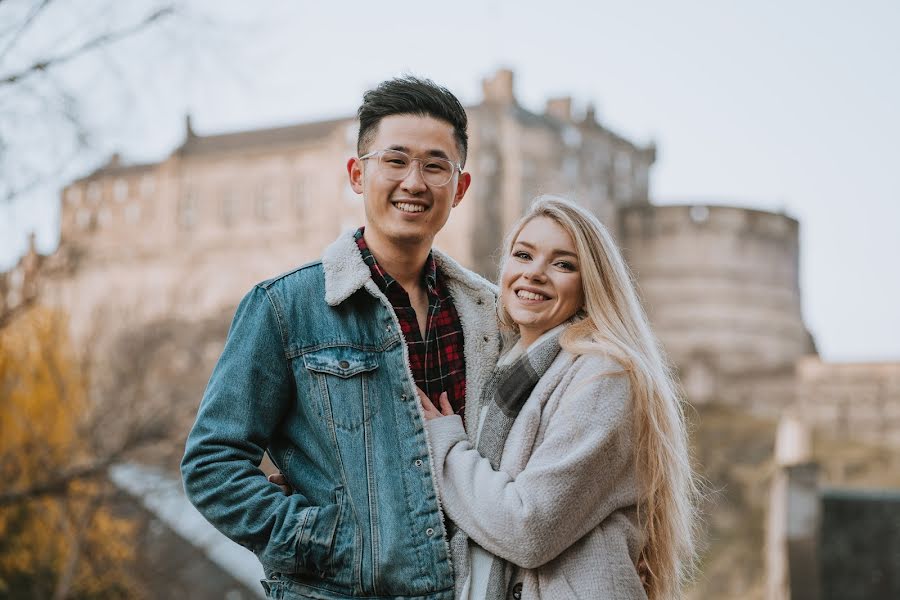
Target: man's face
409,212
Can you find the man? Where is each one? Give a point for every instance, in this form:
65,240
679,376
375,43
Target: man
320,368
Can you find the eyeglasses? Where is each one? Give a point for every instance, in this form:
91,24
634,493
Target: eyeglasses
395,166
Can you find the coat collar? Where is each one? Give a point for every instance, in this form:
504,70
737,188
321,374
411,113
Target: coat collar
345,271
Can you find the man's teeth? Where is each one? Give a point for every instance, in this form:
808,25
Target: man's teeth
525,295
406,207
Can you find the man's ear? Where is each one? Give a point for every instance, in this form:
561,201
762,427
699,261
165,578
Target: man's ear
355,173
462,184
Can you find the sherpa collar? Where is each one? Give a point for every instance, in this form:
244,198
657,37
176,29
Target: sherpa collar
345,271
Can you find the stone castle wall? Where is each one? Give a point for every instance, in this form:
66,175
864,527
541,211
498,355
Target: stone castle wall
854,400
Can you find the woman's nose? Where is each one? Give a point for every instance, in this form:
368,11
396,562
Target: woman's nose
535,271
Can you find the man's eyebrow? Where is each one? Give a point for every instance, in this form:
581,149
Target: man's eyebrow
556,251
436,152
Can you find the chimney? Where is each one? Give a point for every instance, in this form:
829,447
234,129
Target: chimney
590,115
499,88
559,108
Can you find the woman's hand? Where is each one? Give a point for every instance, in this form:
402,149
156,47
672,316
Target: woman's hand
431,412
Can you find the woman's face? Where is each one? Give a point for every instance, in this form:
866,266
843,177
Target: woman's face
541,280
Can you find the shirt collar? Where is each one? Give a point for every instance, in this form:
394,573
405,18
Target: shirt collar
382,278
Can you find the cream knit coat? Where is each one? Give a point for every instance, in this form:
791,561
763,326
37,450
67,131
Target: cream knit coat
562,504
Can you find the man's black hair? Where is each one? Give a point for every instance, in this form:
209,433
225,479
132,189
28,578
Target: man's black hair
411,95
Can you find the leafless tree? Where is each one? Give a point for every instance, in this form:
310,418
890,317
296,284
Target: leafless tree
45,49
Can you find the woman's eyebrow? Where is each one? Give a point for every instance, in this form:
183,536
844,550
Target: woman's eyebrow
555,251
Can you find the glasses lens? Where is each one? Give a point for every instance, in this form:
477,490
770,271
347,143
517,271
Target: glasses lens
435,171
394,164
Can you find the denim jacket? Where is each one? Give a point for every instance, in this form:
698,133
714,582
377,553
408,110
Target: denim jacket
315,371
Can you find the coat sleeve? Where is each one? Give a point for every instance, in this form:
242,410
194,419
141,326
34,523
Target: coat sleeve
248,394
579,474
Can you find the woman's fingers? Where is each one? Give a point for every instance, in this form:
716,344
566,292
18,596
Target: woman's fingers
430,411
446,409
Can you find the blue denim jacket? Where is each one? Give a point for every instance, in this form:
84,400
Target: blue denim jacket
315,371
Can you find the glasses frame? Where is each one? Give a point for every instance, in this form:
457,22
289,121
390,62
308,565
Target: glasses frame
378,153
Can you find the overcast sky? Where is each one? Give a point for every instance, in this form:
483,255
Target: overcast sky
789,106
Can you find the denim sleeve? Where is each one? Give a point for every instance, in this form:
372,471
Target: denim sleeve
248,394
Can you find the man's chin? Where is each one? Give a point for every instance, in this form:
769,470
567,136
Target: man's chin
412,236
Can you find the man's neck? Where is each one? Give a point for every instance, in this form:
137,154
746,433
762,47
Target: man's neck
404,263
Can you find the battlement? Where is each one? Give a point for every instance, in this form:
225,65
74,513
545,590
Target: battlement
709,218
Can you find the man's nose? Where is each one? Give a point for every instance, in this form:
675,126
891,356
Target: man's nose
414,182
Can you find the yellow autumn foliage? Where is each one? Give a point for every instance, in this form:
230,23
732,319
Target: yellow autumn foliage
72,536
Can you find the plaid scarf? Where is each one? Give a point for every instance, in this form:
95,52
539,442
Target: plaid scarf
504,395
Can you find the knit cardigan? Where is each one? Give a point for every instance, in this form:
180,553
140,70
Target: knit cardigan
562,505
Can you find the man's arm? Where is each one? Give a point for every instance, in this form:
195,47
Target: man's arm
248,394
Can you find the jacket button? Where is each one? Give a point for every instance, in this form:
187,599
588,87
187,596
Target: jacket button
429,532
344,364
485,338
418,462
480,302
517,591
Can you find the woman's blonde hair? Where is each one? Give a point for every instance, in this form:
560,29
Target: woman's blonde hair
615,325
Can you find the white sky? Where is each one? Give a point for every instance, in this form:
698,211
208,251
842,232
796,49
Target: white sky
787,106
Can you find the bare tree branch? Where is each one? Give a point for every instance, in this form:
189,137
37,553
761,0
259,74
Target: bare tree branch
58,484
97,42
10,315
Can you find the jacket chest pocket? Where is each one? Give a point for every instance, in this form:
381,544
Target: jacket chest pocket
344,381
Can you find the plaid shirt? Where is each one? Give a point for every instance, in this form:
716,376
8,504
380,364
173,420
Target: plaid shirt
436,361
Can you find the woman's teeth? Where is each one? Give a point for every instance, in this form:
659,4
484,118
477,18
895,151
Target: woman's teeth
530,295
413,208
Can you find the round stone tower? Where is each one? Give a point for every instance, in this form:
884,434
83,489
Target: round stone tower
721,287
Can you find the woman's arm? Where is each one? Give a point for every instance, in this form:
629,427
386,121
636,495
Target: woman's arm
580,473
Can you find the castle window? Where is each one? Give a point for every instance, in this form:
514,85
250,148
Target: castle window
83,218
148,185
623,165
120,190
300,195
133,213
94,192
104,217
264,202
229,208
73,195
187,209
570,170
624,187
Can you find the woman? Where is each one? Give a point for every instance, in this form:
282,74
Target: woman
579,468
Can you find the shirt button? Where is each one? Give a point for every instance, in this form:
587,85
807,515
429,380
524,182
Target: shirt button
418,463
344,364
429,532
517,591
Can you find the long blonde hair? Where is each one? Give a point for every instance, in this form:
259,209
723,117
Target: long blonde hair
615,325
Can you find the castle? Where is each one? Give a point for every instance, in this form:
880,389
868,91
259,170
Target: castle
191,234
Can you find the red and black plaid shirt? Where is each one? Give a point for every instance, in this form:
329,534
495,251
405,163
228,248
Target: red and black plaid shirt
436,361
